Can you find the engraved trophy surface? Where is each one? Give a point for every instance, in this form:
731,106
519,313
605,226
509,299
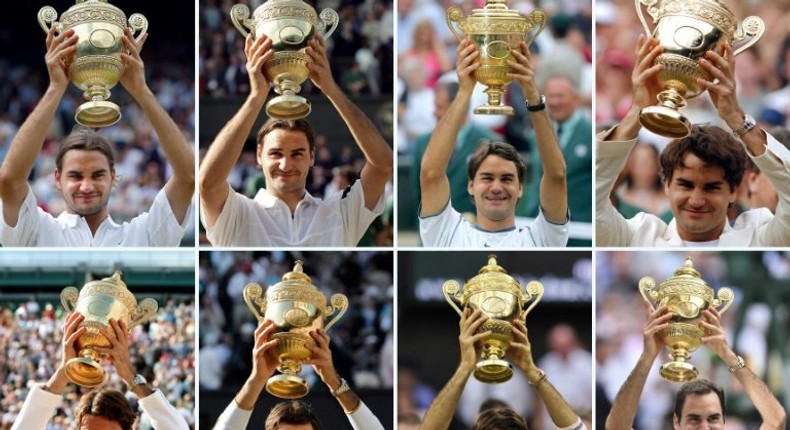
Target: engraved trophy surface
500,297
99,301
495,30
97,64
686,29
290,24
686,296
296,307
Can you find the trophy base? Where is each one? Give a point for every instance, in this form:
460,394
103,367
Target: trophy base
85,372
494,110
288,107
679,371
493,371
287,386
665,121
97,113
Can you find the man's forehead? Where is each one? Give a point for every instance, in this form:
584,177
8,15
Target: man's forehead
281,138
703,405
72,156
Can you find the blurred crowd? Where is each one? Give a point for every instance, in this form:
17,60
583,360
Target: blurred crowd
360,49
756,325
763,84
141,167
162,350
361,341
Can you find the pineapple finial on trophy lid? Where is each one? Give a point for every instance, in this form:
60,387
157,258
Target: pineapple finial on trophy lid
492,266
297,274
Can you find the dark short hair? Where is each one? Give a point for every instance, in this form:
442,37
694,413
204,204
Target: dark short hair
492,403
500,419
85,139
109,404
501,149
697,387
289,125
451,88
711,144
409,418
291,412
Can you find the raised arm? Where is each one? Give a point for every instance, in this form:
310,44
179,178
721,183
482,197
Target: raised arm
442,409
181,186
553,184
226,148
626,402
378,155
434,184
29,139
520,352
771,411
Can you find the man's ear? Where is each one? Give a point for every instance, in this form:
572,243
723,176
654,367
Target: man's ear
57,179
312,157
675,422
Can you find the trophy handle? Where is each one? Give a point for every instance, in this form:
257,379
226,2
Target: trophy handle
752,26
46,19
534,291
451,288
647,289
454,14
537,17
329,17
651,9
253,295
724,299
144,312
68,298
138,23
338,302
240,16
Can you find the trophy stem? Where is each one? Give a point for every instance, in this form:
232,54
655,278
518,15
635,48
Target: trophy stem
287,385
665,119
494,105
98,111
86,370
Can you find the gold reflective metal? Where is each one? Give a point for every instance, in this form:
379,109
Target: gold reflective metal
98,301
495,30
500,297
686,29
290,24
97,65
686,295
296,307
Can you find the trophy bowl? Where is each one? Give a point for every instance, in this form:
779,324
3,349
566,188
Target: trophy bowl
97,65
686,30
290,24
98,301
296,307
686,295
500,297
495,30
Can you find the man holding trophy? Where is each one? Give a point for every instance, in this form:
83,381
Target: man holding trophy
85,165
701,169
99,409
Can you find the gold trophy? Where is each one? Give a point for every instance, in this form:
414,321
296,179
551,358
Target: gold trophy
296,307
98,301
500,297
686,29
97,65
495,30
290,24
686,295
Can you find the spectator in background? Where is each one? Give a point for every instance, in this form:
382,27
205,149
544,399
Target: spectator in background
429,52
642,185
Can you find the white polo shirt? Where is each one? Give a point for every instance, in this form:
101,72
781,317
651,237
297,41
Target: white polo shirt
266,220
450,229
35,227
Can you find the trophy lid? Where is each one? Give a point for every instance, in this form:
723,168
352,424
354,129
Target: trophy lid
492,277
285,9
297,286
686,280
111,286
85,11
713,12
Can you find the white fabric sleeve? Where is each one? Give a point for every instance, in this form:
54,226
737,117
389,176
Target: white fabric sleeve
775,164
546,233
363,419
225,229
162,414
578,425
161,224
438,230
233,418
611,228
356,217
37,410
26,231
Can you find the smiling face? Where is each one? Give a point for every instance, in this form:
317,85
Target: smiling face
286,159
700,412
495,189
699,196
85,179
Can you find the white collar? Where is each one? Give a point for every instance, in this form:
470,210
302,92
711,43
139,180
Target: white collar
267,200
